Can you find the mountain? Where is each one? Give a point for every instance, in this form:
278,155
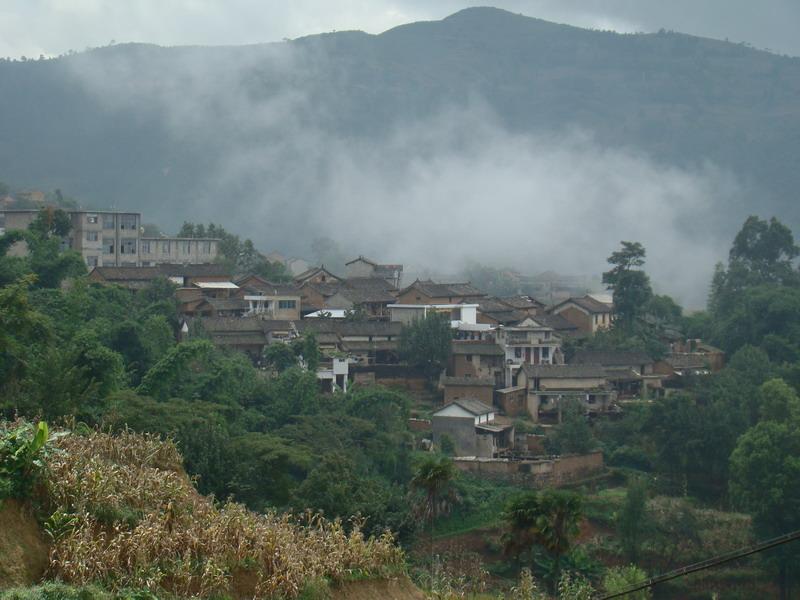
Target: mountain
238,133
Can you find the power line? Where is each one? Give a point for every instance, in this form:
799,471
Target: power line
708,563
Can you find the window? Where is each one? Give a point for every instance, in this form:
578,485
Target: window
206,248
108,245
127,246
187,247
144,247
91,261
127,222
91,219
547,335
92,236
164,247
468,357
518,352
545,353
108,221
287,303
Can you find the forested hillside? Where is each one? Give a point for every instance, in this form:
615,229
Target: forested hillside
190,129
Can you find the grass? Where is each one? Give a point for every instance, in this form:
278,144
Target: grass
480,505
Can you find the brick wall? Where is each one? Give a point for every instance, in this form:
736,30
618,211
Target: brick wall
535,473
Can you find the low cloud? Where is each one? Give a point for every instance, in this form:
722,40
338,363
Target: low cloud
435,191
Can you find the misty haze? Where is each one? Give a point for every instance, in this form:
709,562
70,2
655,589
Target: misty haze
505,299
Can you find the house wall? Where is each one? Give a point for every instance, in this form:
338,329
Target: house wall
272,307
178,250
461,430
396,376
415,296
513,401
322,277
485,445
311,299
484,366
461,367
577,317
583,383
359,268
484,393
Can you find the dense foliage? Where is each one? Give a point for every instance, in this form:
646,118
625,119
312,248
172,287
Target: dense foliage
239,255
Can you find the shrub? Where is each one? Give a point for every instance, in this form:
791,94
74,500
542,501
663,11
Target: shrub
21,452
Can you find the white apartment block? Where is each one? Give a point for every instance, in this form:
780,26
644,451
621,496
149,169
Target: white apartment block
107,239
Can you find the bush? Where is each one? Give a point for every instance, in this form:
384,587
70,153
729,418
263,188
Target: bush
21,450
59,591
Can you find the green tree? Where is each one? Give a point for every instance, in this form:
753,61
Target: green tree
22,328
280,356
48,261
765,249
778,402
51,222
265,469
426,343
617,579
573,435
761,256
550,519
631,286
632,519
765,481
664,308
433,478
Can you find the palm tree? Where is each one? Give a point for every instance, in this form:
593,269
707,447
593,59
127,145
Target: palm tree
549,519
434,477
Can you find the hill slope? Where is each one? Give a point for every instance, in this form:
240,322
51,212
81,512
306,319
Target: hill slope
192,132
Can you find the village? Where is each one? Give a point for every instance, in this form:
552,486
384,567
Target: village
507,373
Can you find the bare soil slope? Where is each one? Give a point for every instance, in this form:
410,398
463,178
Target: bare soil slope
23,549
385,589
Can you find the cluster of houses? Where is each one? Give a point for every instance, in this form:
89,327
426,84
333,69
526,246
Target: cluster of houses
507,358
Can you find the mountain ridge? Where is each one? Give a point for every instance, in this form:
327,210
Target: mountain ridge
102,125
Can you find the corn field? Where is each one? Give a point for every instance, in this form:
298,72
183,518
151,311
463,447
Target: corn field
125,515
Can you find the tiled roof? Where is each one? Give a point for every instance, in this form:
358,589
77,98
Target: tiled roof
351,328
555,321
588,303
149,273
366,295
325,289
309,273
521,302
611,358
222,324
362,259
446,290
128,273
367,283
564,371
476,407
467,381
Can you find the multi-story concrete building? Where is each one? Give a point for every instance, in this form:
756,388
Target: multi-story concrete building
528,342
114,239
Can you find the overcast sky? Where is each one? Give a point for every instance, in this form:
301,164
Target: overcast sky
50,27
